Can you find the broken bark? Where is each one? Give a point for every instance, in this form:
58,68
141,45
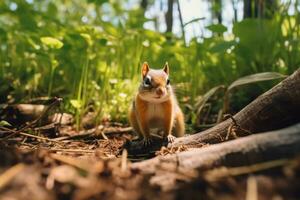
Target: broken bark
277,108
273,145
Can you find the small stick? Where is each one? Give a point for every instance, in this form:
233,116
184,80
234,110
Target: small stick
29,135
71,161
91,133
124,160
9,174
232,128
37,137
103,135
46,127
73,150
251,193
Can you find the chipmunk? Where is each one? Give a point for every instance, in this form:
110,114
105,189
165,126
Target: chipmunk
155,106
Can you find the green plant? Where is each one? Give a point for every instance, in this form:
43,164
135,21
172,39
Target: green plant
90,53
227,91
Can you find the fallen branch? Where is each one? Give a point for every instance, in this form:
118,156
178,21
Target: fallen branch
277,108
273,145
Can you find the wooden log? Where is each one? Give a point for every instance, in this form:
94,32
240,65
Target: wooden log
273,145
277,108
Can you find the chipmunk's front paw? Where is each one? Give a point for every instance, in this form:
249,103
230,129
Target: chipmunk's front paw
147,142
171,138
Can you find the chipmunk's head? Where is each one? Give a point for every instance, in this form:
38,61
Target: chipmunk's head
155,86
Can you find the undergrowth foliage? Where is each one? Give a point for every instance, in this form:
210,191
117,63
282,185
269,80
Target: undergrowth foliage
67,49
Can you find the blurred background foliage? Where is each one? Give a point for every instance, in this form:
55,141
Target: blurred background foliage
90,51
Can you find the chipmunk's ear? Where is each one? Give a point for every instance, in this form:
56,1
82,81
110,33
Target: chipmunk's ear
166,68
145,69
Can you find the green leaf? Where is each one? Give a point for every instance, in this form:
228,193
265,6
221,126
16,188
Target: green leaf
103,41
288,24
254,78
217,28
52,42
255,34
52,9
76,103
87,38
222,46
200,104
4,123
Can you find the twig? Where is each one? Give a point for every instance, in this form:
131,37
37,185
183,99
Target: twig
124,160
234,128
91,133
103,135
251,188
38,137
46,127
73,150
71,161
9,174
28,135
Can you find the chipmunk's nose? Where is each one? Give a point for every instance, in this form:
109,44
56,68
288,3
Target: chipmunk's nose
160,91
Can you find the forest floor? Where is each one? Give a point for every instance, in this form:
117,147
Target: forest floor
67,167
92,164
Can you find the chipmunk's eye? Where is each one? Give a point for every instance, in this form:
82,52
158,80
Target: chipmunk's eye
168,81
147,82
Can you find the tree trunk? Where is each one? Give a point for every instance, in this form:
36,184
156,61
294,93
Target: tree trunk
270,8
234,5
181,22
144,4
247,9
169,16
260,8
217,10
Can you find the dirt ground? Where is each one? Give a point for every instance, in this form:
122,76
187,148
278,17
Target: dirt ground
92,166
49,160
